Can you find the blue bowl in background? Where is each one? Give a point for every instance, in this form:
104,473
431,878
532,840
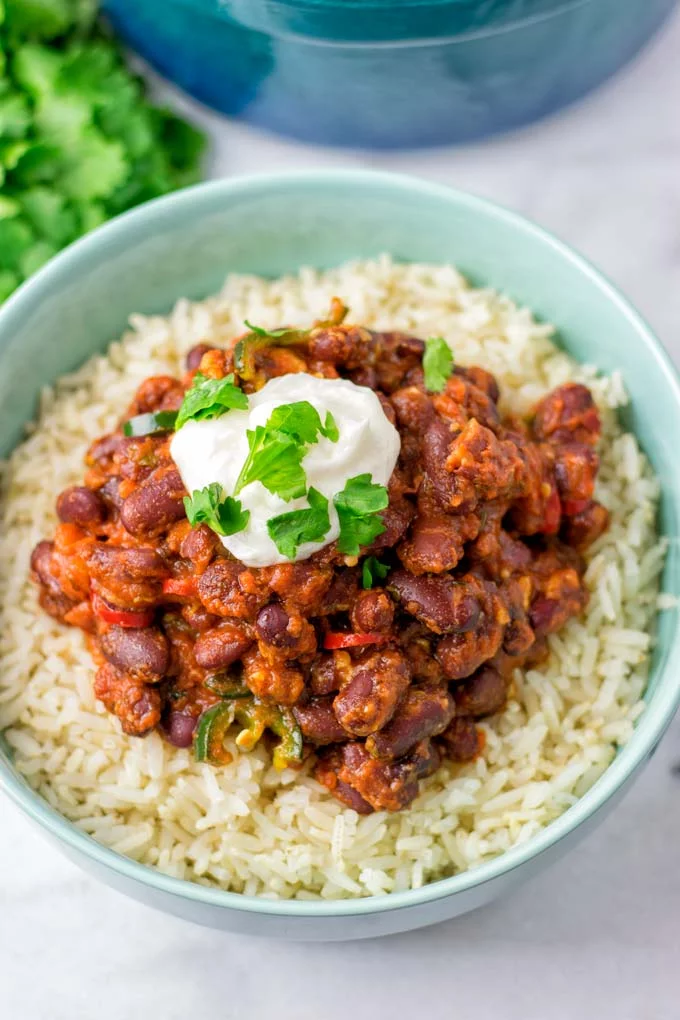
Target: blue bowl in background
388,73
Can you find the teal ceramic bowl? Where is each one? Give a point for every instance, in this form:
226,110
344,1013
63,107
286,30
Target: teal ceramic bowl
184,245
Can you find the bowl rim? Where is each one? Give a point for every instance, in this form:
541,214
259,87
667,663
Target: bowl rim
649,728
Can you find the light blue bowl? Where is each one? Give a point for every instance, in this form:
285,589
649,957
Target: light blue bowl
184,245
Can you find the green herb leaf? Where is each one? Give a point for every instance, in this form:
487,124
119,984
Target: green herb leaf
221,513
330,429
358,506
437,363
289,531
372,571
301,421
276,334
150,424
275,460
210,398
276,450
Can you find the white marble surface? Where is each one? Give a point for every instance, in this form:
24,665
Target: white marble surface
598,935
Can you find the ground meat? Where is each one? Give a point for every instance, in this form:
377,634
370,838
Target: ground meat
383,786
372,691
137,706
568,414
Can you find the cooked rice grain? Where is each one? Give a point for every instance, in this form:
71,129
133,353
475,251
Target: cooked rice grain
245,827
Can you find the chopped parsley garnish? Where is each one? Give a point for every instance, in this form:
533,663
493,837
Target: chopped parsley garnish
221,513
276,450
210,398
277,334
359,505
289,531
437,363
301,421
372,571
150,424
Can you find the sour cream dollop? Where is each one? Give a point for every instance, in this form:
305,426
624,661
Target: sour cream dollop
215,450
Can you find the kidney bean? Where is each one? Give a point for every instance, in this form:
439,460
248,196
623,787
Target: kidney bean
193,358
368,700
324,677
200,546
568,413
143,653
424,712
414,410
372,611
445,606
222,645
318,722
178,728
460,738
384,786
110,493
80,505
483,694
587,525
352,798
104,448
272,621
40,565
396,519
157,503
128,578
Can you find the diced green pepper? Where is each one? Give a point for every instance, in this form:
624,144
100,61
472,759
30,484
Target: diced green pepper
257,716
150,424
210,734
258,338
227,686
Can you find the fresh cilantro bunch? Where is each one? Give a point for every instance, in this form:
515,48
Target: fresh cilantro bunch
79,142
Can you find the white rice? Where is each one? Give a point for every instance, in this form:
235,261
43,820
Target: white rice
245,827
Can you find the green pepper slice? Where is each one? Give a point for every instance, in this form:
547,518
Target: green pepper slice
210,733
255,717
150,424
227,686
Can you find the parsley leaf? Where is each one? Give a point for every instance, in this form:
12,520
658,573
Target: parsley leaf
276,449
359,505
277,334
301,421
437,363
210,398
372,571
289,531
210,506
274,459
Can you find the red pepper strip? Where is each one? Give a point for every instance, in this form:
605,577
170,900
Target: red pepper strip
571,507
182,586
552,514
335,639
122,617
